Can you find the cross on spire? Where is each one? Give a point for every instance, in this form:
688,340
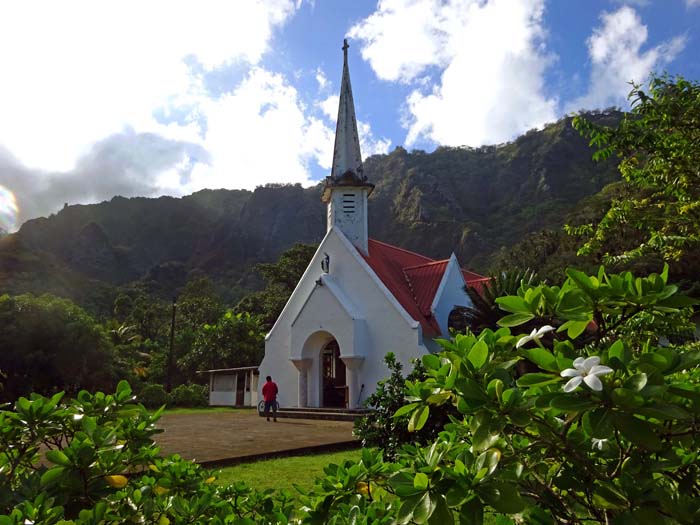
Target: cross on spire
346,154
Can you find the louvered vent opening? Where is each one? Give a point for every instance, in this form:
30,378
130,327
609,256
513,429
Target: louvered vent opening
348,203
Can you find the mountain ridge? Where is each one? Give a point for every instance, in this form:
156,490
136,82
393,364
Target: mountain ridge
473,201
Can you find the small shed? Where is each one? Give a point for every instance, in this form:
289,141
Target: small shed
235,387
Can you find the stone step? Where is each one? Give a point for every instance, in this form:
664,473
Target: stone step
318,413
328,409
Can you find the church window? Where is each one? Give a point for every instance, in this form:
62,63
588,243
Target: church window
348,202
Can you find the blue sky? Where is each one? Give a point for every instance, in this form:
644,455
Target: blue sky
167,97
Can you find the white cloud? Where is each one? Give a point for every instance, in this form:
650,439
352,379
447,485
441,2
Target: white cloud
329,107
638,3
78,71
617,58
259,133
321,79
692,3
392,54
492,61
177,85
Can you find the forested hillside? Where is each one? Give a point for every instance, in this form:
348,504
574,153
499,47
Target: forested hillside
475,202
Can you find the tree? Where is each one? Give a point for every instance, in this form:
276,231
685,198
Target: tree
659,143
281,278
50,344
234,340
198,304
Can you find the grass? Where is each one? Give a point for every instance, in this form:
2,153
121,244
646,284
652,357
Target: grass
284,473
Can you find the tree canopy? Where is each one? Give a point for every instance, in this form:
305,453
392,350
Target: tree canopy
659,144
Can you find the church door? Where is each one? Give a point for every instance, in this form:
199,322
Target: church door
335,391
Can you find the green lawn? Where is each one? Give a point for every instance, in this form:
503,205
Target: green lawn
282,473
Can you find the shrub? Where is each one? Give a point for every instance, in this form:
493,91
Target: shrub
605,432
189,396
381,429
101,467
153,395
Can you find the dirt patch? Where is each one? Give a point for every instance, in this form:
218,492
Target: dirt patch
219,438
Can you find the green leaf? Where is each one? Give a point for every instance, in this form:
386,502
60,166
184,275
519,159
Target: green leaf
420,481
663,411
51,476
431,361
489,460
512,303
617,350
507,498
627,398
582,280
637,382
402,484
478,354
438,399
404,410
609,498
472,512
574,328
424,508
515,319
637,431
570,403
542,358
537,379
123,387
418,418
58,457
442,515
408,505
598,423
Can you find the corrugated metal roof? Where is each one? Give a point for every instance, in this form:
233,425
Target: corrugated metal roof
424,281
413,279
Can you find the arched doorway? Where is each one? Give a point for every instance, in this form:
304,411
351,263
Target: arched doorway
334,388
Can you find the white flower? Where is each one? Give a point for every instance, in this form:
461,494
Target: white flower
586,370
534,335
599,443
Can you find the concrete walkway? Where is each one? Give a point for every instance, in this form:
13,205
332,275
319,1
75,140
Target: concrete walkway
220,438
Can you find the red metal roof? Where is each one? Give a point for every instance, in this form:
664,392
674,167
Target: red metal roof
424,281
413,279
474,279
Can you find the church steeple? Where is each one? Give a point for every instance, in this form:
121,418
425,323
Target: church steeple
346,153
346,189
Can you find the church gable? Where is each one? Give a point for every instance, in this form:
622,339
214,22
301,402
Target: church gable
424,287
449,293
329,309
351,283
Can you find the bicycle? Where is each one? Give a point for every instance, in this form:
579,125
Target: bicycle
261,408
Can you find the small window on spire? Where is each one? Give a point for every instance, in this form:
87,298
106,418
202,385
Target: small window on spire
348,203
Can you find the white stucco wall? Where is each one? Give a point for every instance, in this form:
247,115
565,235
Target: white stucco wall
450,293
347,211
355,308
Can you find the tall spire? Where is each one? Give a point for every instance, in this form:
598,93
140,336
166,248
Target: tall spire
346,154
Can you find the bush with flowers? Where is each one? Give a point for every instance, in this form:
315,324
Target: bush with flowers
605,431
602,429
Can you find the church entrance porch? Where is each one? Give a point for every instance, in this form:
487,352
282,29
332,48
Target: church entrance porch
335,389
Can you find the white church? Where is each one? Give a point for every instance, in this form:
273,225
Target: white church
359,298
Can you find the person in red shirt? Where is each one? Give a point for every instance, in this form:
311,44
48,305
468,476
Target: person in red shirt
269,392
